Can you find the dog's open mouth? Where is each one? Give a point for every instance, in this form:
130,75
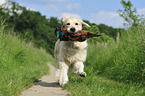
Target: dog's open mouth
72,32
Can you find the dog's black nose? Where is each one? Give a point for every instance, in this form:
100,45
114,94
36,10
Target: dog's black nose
72,29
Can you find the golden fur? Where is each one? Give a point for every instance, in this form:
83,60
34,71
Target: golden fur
70,52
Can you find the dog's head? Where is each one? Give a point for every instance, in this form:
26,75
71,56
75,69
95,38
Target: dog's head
74,24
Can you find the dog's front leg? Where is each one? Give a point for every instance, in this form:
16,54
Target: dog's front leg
63,67
78,67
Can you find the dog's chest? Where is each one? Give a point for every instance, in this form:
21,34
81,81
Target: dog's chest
74,51
74,46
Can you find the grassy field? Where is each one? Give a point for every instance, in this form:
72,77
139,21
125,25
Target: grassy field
20,64
113,69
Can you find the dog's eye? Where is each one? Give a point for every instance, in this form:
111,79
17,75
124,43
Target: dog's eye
68,24
76,24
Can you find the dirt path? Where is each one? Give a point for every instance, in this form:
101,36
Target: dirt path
46,87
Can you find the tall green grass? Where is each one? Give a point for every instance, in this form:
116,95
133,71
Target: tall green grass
20,64
123,62
114,69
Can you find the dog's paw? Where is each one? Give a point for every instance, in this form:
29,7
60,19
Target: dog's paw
63,83
83,74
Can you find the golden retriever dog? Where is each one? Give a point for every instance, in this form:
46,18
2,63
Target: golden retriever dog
70,52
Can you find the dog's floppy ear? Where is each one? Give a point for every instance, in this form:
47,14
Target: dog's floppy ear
85,24
63,19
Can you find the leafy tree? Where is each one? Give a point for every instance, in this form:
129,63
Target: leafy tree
37,28
129,14
30,25
110,31
4,15
54,22
102,28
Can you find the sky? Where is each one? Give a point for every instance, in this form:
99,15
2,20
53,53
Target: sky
96,11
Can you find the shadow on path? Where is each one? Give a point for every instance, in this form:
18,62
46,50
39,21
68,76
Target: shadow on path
46,84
